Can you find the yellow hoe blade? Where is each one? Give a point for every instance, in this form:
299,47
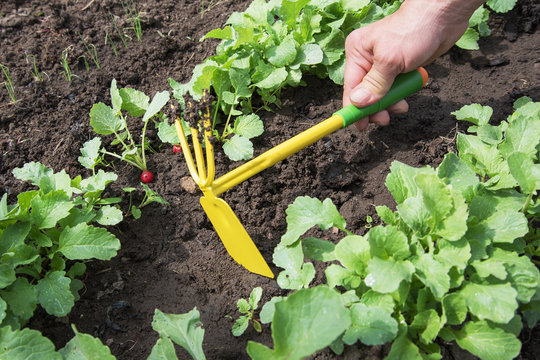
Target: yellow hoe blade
234,237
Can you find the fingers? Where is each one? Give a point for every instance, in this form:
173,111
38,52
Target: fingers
374,85
382,118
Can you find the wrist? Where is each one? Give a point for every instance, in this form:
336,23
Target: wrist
446,10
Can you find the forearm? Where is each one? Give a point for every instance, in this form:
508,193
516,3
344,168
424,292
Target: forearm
447,10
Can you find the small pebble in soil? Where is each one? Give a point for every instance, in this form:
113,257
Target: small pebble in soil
188,184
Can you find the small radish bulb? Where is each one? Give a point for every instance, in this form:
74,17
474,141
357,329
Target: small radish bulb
176,149
147,177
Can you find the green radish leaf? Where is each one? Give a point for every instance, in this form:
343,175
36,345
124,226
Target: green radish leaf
90,153
427,324
183,329
353,252
371,325
282,54
240,325
158,102
469,40
84,241
98,182
457,173
248,126
318,249
486,342
522,134
54,293
50,208
26,344
491,302
297,323
501,6
454,308
167,132
403,347
296,274
307,212
21,298
225,34
290,9
255,297
85,347
388,241
273,79
109,215
384,276
238,148
475,113
33,172
433,274
243,306
309,54
268,309
104,120
3,308
163,350
116,99
135,102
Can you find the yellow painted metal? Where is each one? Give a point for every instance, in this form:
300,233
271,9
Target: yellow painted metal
233,235
229,228
186,151
276,154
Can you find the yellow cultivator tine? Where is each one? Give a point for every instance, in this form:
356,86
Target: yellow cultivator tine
186,151
207,128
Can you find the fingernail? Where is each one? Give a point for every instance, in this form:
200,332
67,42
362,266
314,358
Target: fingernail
360,96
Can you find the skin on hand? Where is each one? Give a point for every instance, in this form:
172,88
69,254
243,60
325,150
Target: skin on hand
415,35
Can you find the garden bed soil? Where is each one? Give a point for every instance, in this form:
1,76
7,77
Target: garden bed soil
171,258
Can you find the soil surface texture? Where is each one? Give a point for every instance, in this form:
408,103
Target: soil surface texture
171,258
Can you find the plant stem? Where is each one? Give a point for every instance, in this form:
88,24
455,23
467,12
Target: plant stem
137,165
143,144
225,132
527,202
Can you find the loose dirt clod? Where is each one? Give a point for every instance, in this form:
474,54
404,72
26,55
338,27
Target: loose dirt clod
188,185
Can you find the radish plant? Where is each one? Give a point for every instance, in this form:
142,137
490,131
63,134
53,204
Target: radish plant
107,120
184,330
248,307
47,237
455,261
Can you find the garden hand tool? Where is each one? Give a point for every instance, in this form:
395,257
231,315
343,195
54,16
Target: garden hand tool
229,228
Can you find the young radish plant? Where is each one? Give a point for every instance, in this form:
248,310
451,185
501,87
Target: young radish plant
248,307
107,120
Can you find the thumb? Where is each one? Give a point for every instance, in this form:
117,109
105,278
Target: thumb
374,85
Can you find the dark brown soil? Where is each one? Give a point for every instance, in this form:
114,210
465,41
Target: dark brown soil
171,258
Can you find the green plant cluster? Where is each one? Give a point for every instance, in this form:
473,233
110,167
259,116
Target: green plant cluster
271,45
455,261
46,238
184,330
107,120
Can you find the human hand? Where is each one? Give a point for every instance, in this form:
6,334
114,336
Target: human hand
415,35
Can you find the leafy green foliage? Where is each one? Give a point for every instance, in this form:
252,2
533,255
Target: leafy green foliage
304,322
248,307
107,120
46,237
149,197
454,261
184,330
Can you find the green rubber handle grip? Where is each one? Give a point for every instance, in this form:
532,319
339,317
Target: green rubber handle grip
403,86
